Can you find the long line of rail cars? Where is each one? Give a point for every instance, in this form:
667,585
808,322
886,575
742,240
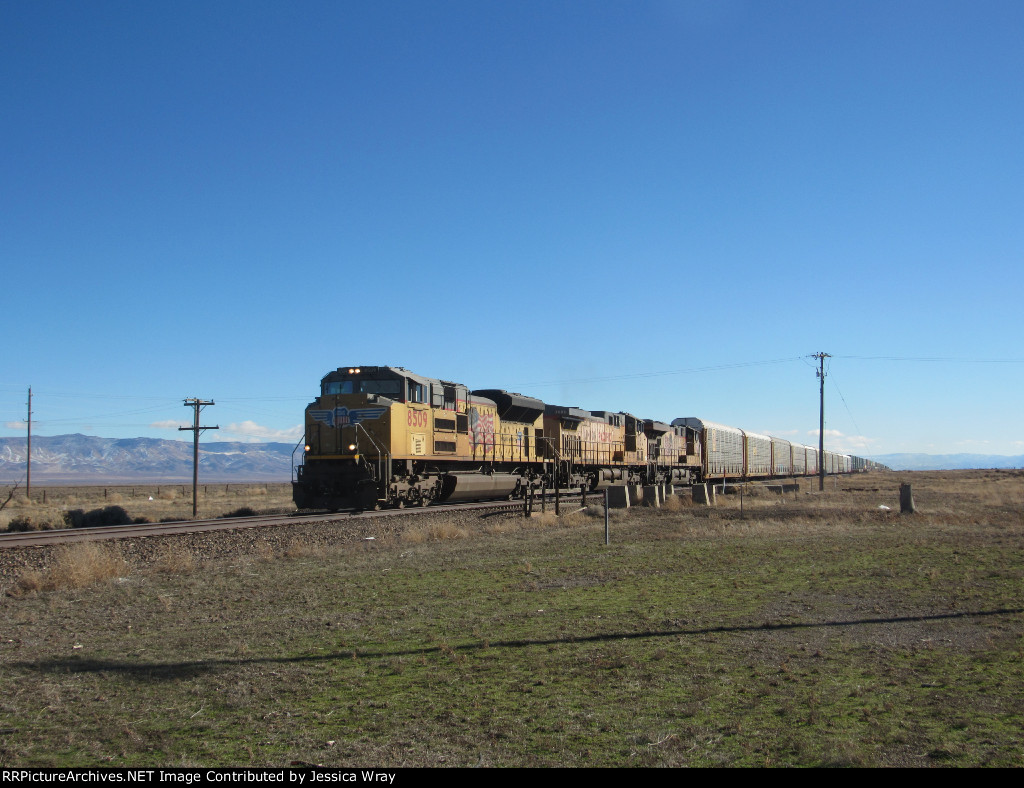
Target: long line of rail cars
384,436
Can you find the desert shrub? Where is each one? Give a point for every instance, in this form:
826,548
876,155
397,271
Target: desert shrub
541,520
674,503
416,535
173,558
76,566
447,531
95,518
87,563
28,522
434,532
299,549
245,511
29,581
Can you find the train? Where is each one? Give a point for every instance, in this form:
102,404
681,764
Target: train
379,437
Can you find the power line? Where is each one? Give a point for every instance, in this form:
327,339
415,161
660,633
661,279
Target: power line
97,417
634,376
943,359
163,398
79,395
856,426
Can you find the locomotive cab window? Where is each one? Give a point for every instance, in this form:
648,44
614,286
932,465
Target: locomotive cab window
389,388
338,387
417,392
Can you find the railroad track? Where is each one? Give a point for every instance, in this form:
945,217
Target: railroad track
142,530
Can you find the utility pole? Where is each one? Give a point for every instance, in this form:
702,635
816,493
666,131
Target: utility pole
821,421
28,453
197,405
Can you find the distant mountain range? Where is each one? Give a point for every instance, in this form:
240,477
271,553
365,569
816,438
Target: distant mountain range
947,462
82,459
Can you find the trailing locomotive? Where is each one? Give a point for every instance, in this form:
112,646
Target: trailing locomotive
384,436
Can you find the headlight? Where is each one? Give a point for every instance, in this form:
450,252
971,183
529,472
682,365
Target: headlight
351,447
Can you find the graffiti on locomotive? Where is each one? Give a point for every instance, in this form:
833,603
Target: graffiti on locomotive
481,429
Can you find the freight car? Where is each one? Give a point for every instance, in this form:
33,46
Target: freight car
731,453
385,436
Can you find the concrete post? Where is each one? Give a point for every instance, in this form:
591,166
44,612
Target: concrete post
907,500
701,494
618,497
607,533
651,496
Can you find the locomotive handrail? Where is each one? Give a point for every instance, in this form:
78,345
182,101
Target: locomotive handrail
381,453
557,458
302,443
511,449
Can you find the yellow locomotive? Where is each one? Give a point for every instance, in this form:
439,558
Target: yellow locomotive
384,436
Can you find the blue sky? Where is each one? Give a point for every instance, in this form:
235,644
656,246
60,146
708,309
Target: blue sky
662,207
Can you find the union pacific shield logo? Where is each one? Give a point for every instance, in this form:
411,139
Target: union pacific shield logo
343,417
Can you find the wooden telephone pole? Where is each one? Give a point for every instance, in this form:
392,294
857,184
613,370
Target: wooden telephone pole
28,451
197,405
821,421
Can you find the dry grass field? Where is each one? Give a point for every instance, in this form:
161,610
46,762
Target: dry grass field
814,629
152,502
